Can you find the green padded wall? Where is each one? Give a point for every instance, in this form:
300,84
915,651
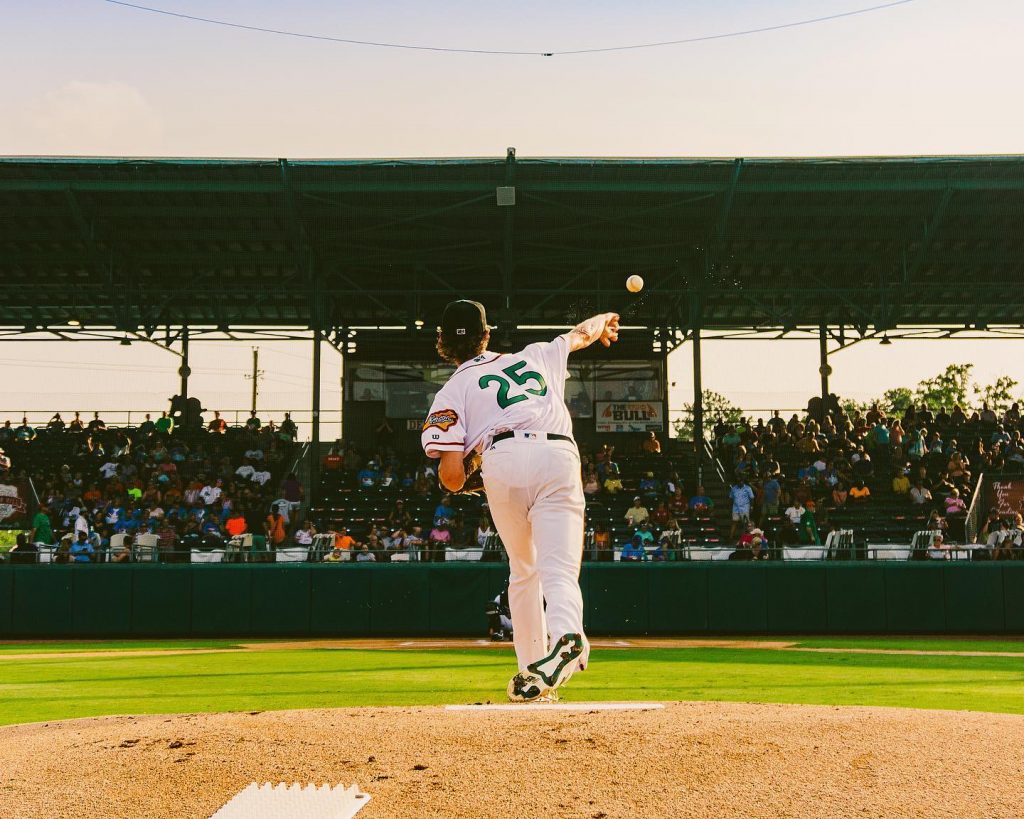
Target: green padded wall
856,599
280,601
796,598
974,598
1013,597
340,603
401,599
677,602
449,599
42,600
161,601
6,601
915,598
737,599
221,598
101,600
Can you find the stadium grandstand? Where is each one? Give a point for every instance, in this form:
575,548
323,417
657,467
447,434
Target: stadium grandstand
363,255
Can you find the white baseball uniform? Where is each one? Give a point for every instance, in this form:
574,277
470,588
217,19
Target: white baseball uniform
534,488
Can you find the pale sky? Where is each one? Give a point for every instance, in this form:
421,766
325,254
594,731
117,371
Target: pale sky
86,77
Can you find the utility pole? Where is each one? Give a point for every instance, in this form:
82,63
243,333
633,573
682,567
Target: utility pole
255,377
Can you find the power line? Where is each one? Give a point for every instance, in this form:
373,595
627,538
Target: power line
410,47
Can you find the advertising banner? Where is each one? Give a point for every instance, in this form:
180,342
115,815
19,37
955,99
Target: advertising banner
13,503
629,416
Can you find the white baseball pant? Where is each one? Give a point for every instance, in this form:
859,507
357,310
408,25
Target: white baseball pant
535,495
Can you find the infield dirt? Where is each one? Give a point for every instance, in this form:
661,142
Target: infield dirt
689,760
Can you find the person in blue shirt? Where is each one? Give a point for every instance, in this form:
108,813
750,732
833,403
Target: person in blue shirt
700,503
444,509
645,534
742,497
663,552
81,549
772,489
368,475
634,551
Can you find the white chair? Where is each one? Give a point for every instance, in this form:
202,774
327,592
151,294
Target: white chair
887,551
291,554
214,556
711,552
147,548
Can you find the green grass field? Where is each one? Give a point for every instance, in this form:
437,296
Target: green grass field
50,688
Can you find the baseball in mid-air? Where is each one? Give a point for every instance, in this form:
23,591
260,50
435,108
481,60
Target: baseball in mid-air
635,283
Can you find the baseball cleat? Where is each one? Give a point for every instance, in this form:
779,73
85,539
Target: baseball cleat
543,677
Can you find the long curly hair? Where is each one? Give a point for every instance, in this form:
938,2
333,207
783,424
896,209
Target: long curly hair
461,348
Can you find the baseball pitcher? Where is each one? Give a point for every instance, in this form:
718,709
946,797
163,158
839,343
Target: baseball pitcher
507,413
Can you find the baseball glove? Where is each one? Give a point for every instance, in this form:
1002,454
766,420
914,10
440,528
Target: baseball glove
474,480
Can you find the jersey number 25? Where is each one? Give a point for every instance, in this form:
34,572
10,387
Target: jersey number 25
520,378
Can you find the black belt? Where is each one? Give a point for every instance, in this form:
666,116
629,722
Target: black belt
551,436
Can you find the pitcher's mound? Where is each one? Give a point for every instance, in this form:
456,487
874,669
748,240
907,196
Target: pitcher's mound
687,760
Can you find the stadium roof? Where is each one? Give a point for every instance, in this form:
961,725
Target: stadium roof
737,246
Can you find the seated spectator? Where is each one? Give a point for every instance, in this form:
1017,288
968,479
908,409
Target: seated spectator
261,477
484,532
840,495
602,547
55,424
700,504
660,516
82,550
336,555
637,513
122,553
633,551
859,492
901,483
364,555
439,539
612,481
253,422
444,510
920,494
664,552
955,504
23,550
651,444
645,534
304,534
591,483
650,487
368,475
677,504
795,512
246,470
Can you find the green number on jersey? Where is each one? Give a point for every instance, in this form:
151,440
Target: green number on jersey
520,378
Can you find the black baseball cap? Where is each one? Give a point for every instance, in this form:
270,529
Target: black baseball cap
464,318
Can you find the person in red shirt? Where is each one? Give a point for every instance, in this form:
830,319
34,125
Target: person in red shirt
235,524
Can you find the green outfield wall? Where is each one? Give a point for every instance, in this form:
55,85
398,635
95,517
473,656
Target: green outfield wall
448,599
